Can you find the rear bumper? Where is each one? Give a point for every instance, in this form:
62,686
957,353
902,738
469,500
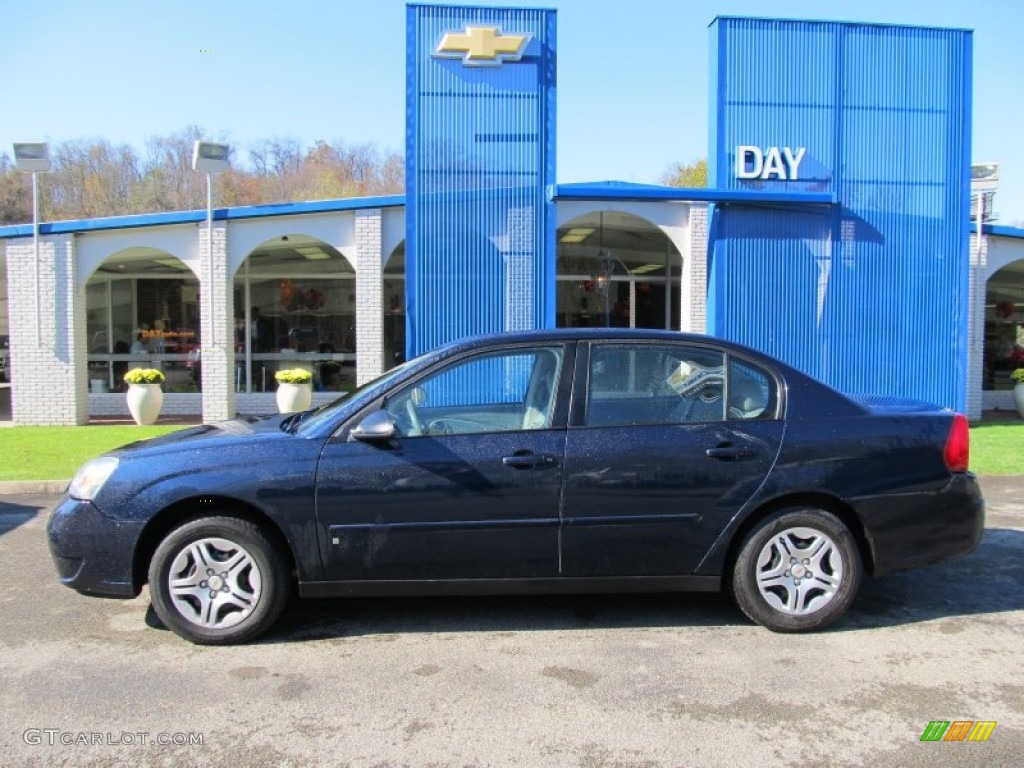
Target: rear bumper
919,529
93,554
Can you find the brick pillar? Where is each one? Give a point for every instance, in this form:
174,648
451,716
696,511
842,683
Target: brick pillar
369,295
520,291
50,378
978,284
217,327
694,280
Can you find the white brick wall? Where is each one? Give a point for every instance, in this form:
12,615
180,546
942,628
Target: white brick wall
265,403
175,404
520,284
976,321
369,295
217,327
695,273
49,369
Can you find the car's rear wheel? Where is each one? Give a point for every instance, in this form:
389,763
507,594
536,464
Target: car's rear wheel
218,581
797,571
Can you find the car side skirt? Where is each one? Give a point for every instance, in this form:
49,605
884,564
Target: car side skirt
552,586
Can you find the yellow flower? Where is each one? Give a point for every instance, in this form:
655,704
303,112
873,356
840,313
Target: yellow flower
294,376
144,376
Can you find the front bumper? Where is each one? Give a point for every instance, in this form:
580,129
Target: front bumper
93,553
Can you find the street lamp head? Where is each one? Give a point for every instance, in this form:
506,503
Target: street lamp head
32,157
211,158
984,177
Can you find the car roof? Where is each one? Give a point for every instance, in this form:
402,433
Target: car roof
594,334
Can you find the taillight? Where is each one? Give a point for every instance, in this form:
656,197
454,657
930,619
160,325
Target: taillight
958,445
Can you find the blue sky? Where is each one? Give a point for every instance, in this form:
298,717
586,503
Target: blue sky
247,70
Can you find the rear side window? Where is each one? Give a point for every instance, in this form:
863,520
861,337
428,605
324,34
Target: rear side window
631,384
634,384
751,391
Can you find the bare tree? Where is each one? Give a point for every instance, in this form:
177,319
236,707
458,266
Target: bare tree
15,193
169,181
93,178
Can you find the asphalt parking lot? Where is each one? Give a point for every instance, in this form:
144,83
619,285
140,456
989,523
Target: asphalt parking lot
659,680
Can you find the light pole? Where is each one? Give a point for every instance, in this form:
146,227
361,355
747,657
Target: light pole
210,158
34,158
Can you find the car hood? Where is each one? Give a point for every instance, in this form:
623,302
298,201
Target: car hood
216,435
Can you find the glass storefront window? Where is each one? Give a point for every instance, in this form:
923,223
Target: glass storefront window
295,307
145,317
1004,327
617,270
394,308
1004,350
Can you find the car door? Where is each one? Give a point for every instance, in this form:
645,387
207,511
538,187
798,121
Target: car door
666,443
469,486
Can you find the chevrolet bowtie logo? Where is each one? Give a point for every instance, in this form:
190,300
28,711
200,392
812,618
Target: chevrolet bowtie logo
482,46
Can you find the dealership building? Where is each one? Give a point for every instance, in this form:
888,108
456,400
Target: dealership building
835,233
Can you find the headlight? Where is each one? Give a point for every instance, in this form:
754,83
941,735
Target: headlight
91,476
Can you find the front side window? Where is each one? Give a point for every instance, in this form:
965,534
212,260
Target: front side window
495,392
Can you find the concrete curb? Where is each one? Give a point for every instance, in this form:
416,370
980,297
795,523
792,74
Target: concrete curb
20,487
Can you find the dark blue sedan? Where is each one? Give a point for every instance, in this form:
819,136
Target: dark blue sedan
555,461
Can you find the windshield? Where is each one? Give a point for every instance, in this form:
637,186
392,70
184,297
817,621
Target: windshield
326,413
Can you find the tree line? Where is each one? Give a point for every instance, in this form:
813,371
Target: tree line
94,178
91,178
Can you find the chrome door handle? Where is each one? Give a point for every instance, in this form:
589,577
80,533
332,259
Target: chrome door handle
731,452
528,461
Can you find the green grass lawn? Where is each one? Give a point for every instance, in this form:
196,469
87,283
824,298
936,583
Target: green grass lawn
997,448
53,453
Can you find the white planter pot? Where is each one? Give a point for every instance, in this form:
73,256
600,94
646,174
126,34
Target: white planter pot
1018,397
294,397
145,402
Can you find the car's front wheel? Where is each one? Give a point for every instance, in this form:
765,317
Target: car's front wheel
797,571
218,581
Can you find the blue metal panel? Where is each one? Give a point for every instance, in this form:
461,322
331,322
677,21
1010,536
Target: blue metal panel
873,297
1002,230
479,160
775,88
622,190
768,274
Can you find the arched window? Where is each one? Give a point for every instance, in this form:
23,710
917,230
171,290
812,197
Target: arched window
295,307
616,269
1004,326
142,311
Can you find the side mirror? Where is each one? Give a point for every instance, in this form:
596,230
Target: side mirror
376,427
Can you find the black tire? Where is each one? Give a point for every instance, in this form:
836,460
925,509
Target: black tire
797,571
233,582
